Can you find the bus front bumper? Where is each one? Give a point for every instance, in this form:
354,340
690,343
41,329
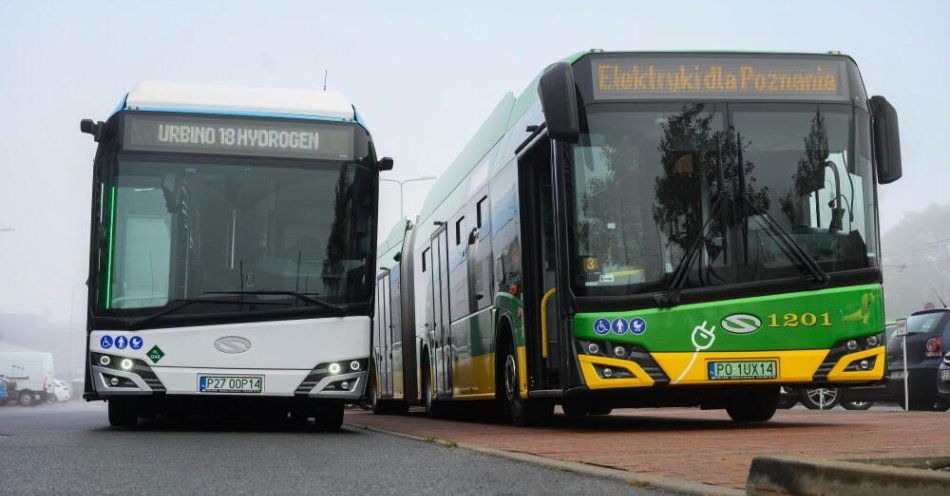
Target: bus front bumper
642,369
125,376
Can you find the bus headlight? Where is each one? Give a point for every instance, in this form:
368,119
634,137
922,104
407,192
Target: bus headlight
104,360
355,365
334,368
126,364
851,345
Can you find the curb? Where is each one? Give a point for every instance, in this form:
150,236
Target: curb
631,478
784,475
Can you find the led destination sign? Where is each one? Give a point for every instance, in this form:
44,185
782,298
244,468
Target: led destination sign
756,78
231,136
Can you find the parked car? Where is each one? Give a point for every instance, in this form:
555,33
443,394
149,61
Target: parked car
826,398
927,330
62,391
943,379
33,373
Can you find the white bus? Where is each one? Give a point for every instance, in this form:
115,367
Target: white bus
232,253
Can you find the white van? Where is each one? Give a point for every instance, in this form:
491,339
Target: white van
32,371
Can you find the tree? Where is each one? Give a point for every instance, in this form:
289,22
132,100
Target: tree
916,254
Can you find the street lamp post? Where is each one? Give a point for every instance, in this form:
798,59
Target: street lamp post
402,183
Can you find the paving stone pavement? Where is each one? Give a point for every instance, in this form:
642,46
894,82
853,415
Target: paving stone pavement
690,444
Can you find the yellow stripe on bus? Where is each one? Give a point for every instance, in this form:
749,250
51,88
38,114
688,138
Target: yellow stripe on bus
793,365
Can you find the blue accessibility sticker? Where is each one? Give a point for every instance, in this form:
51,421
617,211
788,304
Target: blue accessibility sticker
121,342
619,326
105,342
135,342
601,326
638,326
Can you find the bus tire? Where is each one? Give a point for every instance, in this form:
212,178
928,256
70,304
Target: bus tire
599,410
329,416
857,404
434,409
25,398
522,412
756,405
122,413
574,409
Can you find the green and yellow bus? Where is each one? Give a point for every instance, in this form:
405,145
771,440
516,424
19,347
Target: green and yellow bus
647,229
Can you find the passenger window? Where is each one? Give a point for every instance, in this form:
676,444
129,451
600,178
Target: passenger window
479,208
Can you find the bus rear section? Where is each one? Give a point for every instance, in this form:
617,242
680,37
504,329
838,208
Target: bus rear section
655,229
233,237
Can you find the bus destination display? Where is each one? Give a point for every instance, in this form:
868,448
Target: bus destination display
748,78
187,134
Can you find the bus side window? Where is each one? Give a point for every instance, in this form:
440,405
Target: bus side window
480,212
458,230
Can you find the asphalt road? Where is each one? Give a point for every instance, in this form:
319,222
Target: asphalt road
70,449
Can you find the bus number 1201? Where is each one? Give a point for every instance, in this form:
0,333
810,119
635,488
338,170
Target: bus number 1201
800,319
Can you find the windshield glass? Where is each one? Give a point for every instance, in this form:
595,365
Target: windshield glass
654,183
925,322
189,228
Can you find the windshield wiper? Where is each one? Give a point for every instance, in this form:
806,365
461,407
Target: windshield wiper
682,269
139,322
792,248
300,296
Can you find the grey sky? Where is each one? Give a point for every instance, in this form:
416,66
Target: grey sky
424,75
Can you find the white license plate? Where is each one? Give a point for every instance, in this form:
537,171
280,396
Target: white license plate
945,375
230,383
897,375
748,369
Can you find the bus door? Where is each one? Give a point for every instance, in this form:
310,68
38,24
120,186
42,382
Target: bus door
383,335
542,318
442,321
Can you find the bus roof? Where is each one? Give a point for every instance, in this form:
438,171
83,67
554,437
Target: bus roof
178,97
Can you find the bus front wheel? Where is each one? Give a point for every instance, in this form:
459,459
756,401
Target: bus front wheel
757,405
329,416
522,411
122,413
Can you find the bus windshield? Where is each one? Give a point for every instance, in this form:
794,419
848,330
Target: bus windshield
694,187
199,227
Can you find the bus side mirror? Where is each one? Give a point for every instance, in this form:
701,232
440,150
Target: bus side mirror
385,164
559,102
887,140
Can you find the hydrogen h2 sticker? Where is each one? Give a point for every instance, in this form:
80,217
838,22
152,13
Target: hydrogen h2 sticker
601,326
135,342
638,326
121,342
619,326
105,342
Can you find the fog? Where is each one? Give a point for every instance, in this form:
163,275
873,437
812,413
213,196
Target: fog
423,75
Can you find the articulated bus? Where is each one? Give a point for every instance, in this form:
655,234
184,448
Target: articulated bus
647,229
233,250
